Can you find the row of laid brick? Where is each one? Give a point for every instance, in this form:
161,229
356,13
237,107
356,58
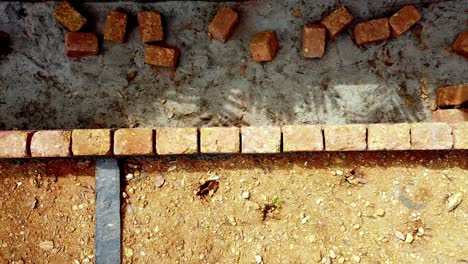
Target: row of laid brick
261,139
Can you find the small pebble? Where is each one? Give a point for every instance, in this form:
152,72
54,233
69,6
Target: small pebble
400,235
258,259
380,212
339,172
245,195
129,176
357,259
454,200
332,254
409,238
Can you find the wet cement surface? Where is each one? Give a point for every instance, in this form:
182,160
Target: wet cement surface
219,84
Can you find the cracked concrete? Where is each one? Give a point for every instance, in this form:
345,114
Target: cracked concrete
219,84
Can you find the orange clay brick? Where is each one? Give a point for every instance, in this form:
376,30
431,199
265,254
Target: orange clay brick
116,26
51,143
452,95
302,138
133,141
372,31
388,137
431,136
80,44
162,56
223,24
261,139
264,46
91,142
150,25
69,17
460,46
345,137
460,135
337,21
450,115
313,41
220,140
171,140
402,20
13,144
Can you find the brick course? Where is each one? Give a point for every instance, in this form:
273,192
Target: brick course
388,137
133,141
345,137
452,95
172,140
460,46
51,143
302,138
431,136
13,144
91,142
450,115
460,135
219,140
261,139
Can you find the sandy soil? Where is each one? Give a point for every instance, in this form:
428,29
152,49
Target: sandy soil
46,212
392,210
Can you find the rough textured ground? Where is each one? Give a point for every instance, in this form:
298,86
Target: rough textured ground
219,84
322,214
46,212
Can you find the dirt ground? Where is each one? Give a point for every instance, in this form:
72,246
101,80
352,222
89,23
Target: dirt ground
374,207
47,212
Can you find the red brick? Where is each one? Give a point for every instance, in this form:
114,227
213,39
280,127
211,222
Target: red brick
133,141
431,136
51,143
150,25
116,26
450,115
460,45
91,142
460,135
388,137
264,46
80,44
372,31
402,20
13,144
337,21
345,137
302,138
452,95
69,17
223,24
261,139
219,140
171,140
162,56
313,41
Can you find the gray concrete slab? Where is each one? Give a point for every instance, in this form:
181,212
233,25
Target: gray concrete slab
108,224
219,84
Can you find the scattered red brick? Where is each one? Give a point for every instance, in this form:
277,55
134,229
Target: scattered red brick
460,135
345,137
51,143
388,137
313,41
133,141
13,144
402,20
171,140
264,46
452,95
372,31
262,139
80,44
219,140
431,136
450,115
91,142
162,56
302,138
337,21
460,45
69,17
223,24
150,25
116,26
